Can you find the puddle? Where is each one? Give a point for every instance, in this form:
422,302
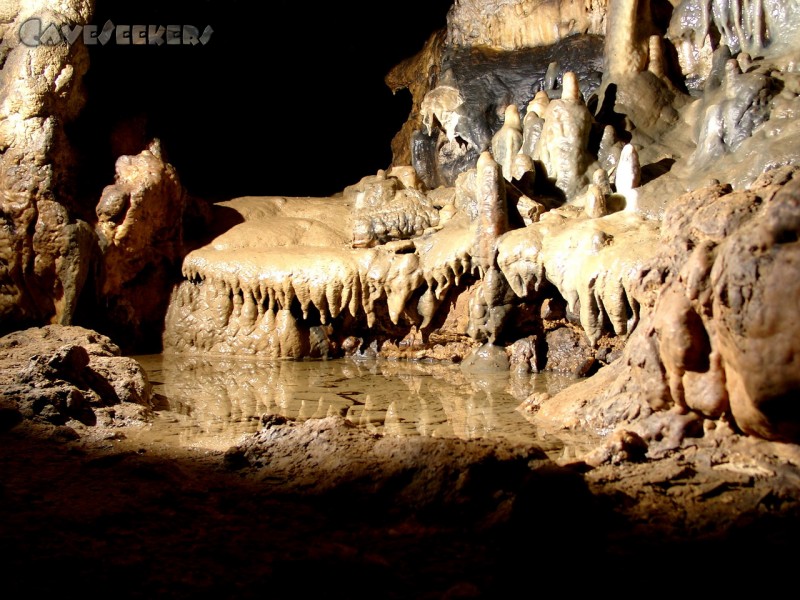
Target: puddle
211,403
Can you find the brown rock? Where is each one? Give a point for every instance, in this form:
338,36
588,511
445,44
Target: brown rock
45,247
140,226
568,352
756,296
515,24
419,74
57,373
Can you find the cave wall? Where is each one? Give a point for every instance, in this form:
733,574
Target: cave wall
46,241
71,252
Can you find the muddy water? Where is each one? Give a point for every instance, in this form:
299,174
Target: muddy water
211,403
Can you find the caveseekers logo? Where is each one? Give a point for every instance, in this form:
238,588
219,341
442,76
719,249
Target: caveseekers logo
35,33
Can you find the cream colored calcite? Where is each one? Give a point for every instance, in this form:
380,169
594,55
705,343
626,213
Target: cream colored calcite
507,142
628,177
515,24
417,74
594,263
241,287
627,37
757,27
388,209
717,339
492,219
441,105
562,145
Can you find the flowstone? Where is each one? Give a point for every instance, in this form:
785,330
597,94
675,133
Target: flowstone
535,215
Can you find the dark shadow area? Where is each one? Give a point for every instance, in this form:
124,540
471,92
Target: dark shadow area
655,170
150,526
86,521
285,98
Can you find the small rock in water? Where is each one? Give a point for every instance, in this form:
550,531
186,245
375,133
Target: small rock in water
487,358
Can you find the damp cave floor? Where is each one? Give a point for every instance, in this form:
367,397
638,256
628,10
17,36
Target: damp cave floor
99,516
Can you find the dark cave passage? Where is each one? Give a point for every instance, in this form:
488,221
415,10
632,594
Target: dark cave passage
284,99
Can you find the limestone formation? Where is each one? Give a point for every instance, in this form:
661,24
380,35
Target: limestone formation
486,82
592,263
646,201
487,310
440,107
756,27
391,210
419,75
609,152
595,202
515,24
562,146
731,111
492,219
711,345
627,37
507,142
502,248
628,176
140,228
46,245
65,374
533,122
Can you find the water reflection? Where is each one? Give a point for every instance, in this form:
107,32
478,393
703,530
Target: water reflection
211,403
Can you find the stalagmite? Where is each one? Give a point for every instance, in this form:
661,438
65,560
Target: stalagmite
492,211
600,179
521,166
628,177
486,311
533,122
571,91
550,76
627,37
609,151
562,146
507,142
656,57
595,202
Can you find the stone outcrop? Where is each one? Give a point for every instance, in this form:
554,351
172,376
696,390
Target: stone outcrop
46,244
717,341
61,260
419,75
515,24
65,374
140,230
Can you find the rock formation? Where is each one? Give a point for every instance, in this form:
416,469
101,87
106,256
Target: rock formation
515,24
140,230
578,205
57,374
62,258
46,243
620,172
